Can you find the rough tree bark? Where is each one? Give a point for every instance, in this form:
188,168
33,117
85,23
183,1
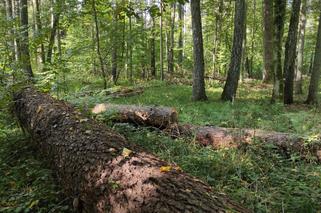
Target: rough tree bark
101,170
180,57
290,52
39,30
159,117
298,82
198,93
280,9
153,51
161,42
233,76
25,54
316,70
170,40
11,42
268,40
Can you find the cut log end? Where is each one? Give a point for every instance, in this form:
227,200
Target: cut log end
159,117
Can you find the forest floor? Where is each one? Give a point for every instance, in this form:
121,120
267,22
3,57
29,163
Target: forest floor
259,176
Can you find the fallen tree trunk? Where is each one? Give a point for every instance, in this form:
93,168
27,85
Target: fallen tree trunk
126,92
102,171
159,117
219,138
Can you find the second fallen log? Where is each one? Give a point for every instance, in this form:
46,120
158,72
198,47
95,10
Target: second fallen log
159,117
219,138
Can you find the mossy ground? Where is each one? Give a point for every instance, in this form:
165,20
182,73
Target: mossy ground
259,176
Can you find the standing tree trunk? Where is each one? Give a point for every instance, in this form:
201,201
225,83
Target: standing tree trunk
16,18
39,30
114,52
268,41
153,51
11,43
198,72
290,52
56,10
316,71
161,42
130,44
180,37
25,54
299,69
233,76
216,37
254,31
102,171
280,9
170,37
102,67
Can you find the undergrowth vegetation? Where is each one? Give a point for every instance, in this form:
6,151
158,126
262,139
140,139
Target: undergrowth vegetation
26,183
258,176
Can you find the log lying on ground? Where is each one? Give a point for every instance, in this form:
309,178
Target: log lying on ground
102,171
159,117
218,138
126,92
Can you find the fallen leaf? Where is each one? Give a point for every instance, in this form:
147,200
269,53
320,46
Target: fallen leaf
165,168
126,152
39,109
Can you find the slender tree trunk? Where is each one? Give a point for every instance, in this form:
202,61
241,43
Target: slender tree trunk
233,76
152,51
280,9
130,50
290,52
16,18
180,37
161,41
199,93
217,36
299,69
25,54
316,70
102,67
39,30
170,49
11,42
268,41
254,31
55,22
311,63
114,53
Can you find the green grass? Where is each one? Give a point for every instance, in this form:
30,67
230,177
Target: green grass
252,108
26,185
258,176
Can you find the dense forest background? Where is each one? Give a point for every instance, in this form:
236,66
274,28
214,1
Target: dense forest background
249,67
130,41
